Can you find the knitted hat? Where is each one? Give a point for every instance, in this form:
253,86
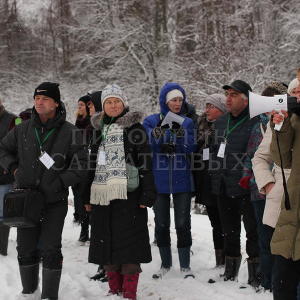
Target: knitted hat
292,85
95,97
217,100
85,99
240,86
113,90
49,89
173,94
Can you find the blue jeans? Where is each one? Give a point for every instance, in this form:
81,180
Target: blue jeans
265,234
4,188
182,215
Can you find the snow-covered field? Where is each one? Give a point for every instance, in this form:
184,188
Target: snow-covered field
75,283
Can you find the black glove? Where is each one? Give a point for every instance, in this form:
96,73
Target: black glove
167,148
177,129
175,125
159,130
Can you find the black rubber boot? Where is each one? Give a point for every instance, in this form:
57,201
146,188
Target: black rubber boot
84,233
4,233
51,280
254,276
232,266
29,278
220,257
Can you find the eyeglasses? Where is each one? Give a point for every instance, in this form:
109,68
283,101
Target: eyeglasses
209,106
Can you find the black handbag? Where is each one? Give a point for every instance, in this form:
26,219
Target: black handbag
23,208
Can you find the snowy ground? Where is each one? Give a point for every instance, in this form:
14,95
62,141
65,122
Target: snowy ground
75,283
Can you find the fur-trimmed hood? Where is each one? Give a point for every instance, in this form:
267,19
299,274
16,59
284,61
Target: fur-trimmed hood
129,119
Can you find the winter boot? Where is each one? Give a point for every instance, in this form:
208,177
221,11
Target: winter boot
29,278
115,282
220,257
84,233
166,262
34,296
130,286
100,275
51,280
232,266
160,273
187,273
4,233
254,276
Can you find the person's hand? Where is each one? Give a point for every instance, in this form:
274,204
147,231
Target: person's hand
88,207
268,187
175,125
159,130
167,148
277,117
244,182
142,206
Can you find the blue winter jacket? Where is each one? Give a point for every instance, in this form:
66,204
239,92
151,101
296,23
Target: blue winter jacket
172,173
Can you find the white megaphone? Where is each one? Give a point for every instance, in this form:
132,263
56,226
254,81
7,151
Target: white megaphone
261,104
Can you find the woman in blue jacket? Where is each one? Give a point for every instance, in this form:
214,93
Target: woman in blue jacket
172,145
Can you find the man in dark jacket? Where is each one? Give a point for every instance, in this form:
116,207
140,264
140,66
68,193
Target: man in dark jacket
7,122
232,132
44,153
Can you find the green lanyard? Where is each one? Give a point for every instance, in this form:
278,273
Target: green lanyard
229,130
105,135
41,142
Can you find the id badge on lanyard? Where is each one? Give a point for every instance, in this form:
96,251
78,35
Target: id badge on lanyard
101,159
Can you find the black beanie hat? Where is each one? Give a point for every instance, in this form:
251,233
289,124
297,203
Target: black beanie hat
85,99
96,99
49,89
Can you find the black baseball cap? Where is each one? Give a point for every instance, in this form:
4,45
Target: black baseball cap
240,86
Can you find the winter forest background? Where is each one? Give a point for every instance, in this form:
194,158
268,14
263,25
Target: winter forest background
202,44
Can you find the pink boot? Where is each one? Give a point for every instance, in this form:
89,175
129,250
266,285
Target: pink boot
130,283
115,281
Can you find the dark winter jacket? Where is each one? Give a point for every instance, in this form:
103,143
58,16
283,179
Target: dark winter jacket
119,232
20,150
226,172
172,173
202,176
7,122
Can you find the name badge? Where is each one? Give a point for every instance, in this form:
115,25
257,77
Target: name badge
101,158
205,155
46,160
221,152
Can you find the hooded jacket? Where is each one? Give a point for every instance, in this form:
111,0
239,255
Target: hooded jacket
172,173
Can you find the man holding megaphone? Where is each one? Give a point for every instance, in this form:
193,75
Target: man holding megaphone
231,139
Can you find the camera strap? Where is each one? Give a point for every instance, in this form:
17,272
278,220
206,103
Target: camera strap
287,203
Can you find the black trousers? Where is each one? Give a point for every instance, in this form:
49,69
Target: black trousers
215,221
286,277
43,241
232,209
